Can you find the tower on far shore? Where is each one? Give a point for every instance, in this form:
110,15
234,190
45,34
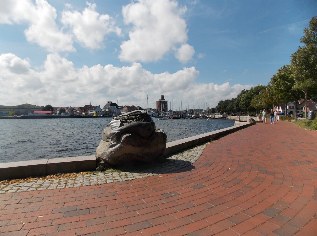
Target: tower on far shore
161,105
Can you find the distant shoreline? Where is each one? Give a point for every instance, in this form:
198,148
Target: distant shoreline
47,117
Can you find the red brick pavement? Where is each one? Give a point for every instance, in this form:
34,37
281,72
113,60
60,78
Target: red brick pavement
259,181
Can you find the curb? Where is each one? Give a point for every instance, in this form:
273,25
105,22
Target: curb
37,168
186,143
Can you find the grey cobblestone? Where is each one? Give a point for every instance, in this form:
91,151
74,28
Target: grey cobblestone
174,163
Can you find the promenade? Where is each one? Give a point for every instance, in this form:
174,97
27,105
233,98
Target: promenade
261,180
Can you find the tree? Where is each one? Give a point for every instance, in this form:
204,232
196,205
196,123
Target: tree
263,99
281,85
223,106
241,101
310,33
304,62
62,110
11,113
48,108
244,99
258,102
227,106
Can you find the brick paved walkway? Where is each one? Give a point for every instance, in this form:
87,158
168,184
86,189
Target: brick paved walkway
176,163
259,181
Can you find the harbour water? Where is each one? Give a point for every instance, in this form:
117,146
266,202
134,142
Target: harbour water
32,139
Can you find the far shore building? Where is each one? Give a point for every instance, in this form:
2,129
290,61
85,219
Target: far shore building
161,105
95,111
23,109
127,108
111,109
152,112
87,108
42,113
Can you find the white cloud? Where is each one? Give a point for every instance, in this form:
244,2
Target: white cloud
17,77
60,83
89,27
157,28
185,53
41,20
15,11
14,64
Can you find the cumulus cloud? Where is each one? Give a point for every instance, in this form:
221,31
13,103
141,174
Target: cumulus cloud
15,11
14,64
17,77
60,83
90,27
185,53
41,20
157,28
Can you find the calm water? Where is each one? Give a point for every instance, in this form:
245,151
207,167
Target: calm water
29,139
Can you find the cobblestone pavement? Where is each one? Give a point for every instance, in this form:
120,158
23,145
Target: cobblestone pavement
177,162
261,180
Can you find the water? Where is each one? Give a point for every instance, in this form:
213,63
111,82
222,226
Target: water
30,139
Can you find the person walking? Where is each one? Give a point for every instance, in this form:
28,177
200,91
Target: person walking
272,116
275,116
264,116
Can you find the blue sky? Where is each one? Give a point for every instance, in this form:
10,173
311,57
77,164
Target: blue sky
71,53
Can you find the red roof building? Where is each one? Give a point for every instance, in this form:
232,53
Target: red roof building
42,112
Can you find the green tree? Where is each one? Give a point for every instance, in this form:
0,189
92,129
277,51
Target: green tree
240,101
281,85
48,108
222,106
263,99
244,99
304,62
228,106
11,113
62,110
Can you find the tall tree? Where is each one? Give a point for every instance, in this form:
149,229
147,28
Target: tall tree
245,98
262,99
48,108
282,87
304,62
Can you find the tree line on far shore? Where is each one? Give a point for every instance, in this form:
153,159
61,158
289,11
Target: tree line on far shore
292,82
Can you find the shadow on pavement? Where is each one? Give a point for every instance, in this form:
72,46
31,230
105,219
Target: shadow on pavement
162,167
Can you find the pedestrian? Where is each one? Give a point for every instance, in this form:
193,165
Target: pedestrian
275,116
259,117
264,116
272,116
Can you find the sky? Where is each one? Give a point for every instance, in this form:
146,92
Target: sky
195,52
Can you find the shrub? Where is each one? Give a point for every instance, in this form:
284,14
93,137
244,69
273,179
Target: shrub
308,124
288,118
314,124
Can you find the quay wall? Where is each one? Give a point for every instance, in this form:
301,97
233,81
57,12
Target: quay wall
43,167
